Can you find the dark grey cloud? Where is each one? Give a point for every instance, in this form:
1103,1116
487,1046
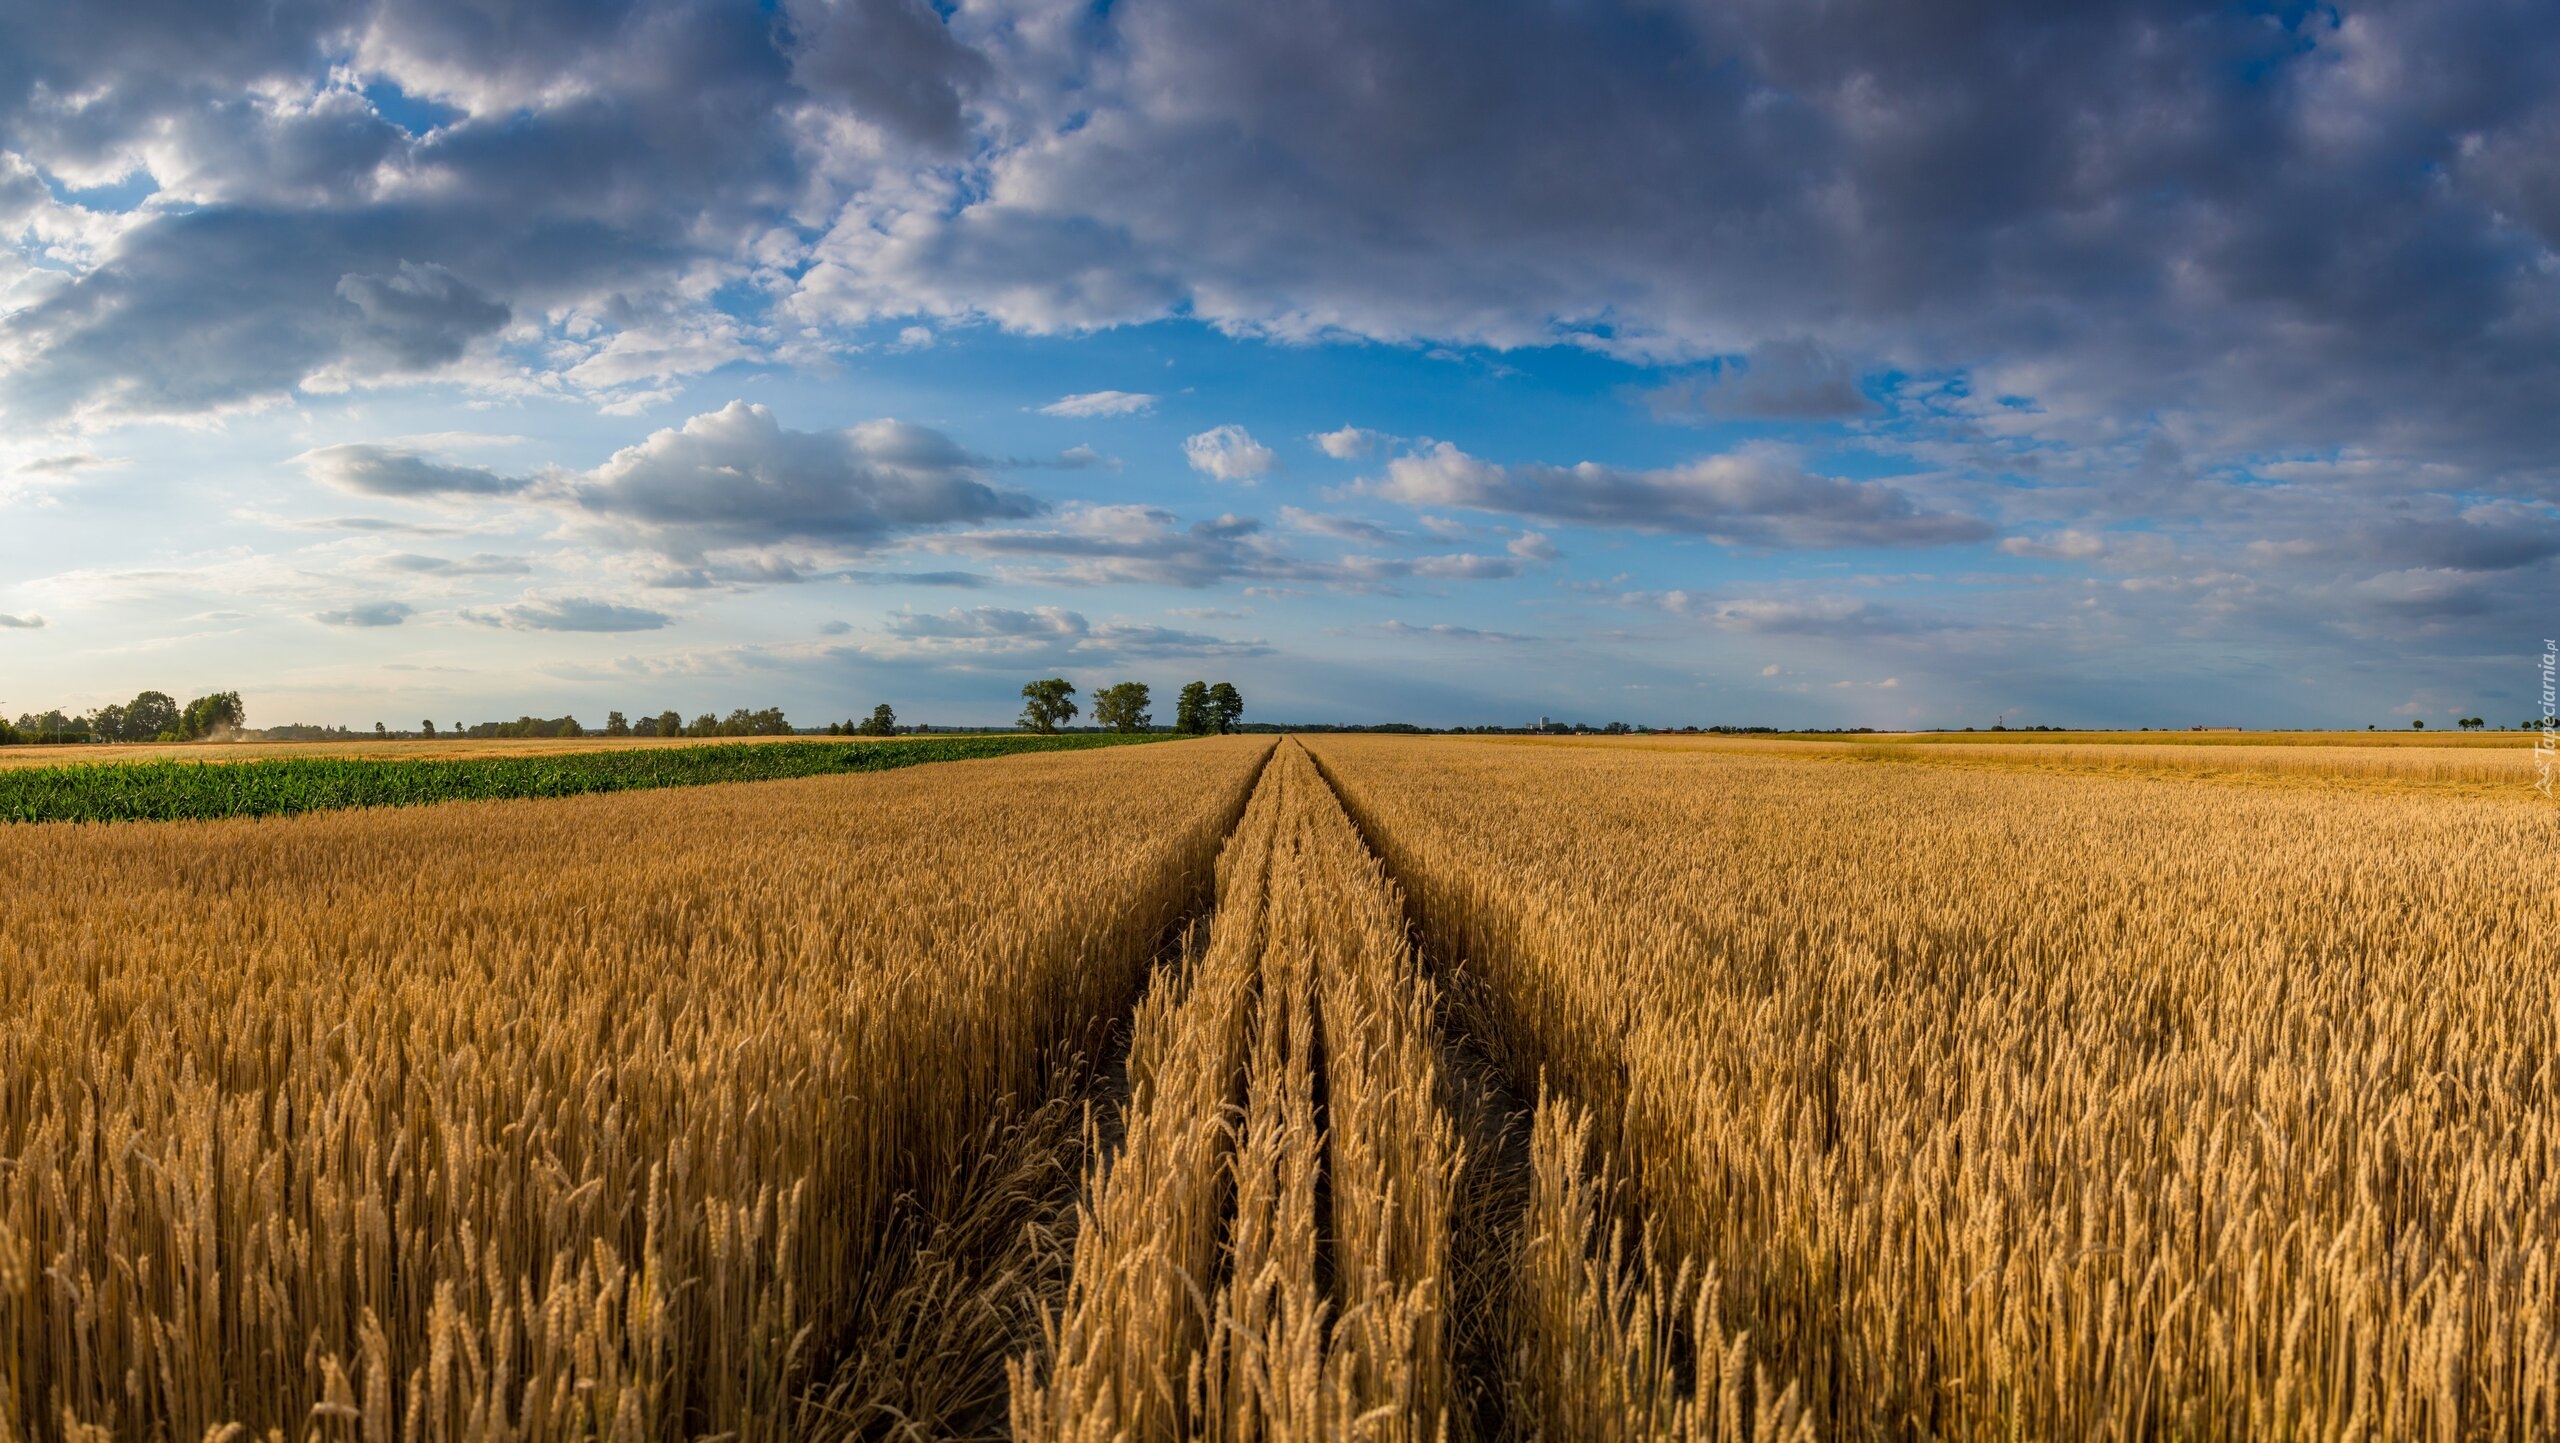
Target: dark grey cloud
571,613
1783,380
1741,499
2310,227
367,613
583,157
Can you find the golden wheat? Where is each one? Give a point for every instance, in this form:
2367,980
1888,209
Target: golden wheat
2031,1105
613,1117
1215,1294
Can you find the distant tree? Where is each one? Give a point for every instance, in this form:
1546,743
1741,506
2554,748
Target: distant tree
380,730
211,715
146,717
2417,724
9,735
107,723
1122,707
1047,703
1227,704
705,725
1193,715
427,729
615,725
670,724
881,723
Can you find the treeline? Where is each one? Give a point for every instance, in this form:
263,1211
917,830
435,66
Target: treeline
1200,709
153,716
739,723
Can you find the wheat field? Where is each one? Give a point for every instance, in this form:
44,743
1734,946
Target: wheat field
1348,1088
616,1117
2007,1104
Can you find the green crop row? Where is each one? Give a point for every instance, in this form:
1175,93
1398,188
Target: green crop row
160,791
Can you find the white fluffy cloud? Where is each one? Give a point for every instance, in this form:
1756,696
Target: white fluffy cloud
1349,443
1229,453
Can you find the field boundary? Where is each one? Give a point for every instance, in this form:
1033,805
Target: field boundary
172,790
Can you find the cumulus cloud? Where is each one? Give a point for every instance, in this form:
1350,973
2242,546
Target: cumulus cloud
737,477
1741,499
1350,443
572,613
1229,453
366,614
1101,403
20,623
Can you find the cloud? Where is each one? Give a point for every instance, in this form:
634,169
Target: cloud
1740,499
397,472
66,464
1229,453
1794,379
1106,545
965,580
1824,616
479,564
367,614
572,613
736,477
1101,403
2069,545
1085,458
1444,631
997,632
1350,443
20,623
1341,528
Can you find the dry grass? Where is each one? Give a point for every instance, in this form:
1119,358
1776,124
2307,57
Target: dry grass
1974,1097
616,1117
2475,765
2023,1105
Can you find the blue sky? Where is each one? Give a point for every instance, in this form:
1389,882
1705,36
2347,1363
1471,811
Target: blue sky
1877,364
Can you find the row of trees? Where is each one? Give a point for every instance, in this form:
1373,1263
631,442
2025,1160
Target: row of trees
1200,709
153,716
882,722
